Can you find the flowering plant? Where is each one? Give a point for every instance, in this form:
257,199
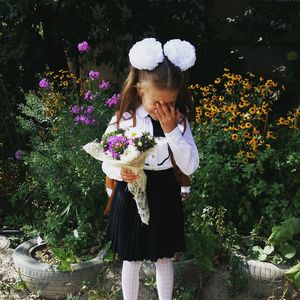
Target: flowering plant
64,113
128,148
249,179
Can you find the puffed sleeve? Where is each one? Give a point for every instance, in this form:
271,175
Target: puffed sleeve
184,149
111,171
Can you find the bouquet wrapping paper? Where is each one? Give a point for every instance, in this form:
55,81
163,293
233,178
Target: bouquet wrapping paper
133,161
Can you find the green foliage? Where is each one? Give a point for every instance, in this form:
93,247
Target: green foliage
66,258
285,232
209,239
294,275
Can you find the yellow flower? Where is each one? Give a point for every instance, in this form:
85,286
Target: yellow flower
218,80
248,125
270,135
234,136
250,155
221,98
226,70
252,110
246,134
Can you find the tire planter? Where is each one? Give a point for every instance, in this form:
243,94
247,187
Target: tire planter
4,243
261,270
46,279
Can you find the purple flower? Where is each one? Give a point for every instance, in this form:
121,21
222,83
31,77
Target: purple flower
94,75
75,109
113,101
18,155
90,109
90,121
84,47
116,145
44,84
82,119
89,96
104,85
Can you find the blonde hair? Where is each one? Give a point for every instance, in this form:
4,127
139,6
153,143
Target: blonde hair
164,76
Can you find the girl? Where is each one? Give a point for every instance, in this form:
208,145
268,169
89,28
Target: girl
154,98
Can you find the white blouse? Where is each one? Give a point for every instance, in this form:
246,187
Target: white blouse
183,146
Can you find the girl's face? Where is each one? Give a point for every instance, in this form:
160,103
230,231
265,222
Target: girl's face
150,94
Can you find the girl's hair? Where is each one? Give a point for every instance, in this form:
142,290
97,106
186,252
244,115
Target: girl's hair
164,76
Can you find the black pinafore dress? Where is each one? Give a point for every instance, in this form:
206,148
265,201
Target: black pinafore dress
130,238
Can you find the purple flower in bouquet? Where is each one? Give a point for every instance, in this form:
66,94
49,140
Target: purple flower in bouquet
84,47
104,85
113,101
90,109
94,75
44,84
116,145
18,155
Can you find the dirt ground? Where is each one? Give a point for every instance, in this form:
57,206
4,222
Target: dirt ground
216,287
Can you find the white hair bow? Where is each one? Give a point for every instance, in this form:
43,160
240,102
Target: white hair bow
148,53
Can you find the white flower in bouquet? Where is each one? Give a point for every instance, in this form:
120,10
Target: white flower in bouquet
130,154
133,132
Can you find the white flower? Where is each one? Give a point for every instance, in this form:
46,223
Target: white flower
133,132
130,154
39,240
146,54
260,39
75,232
181,53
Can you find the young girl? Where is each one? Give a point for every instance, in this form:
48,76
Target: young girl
154,99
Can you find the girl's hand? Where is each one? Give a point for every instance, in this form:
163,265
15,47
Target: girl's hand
167,115
128,176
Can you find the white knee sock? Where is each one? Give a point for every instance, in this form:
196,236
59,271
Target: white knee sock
164,278
130,279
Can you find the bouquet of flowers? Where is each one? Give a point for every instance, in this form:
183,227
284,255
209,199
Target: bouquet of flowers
128,148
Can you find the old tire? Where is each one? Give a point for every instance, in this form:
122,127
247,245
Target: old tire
47,280
261,270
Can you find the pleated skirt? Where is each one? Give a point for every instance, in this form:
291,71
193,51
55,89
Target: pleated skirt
164,236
